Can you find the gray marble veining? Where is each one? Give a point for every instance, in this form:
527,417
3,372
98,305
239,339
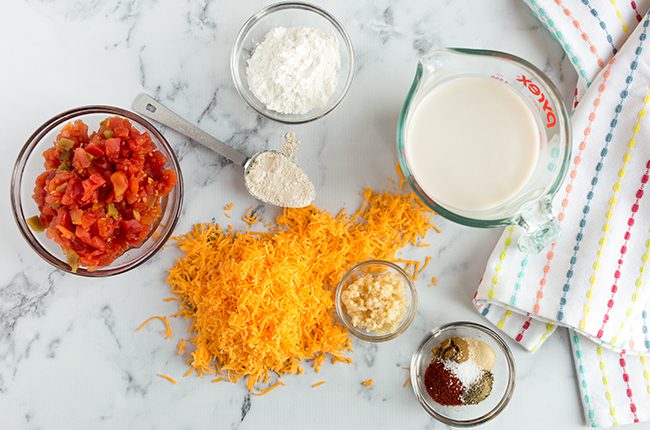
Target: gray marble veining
69,356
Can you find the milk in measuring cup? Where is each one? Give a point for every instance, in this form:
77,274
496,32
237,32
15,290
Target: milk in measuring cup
472,143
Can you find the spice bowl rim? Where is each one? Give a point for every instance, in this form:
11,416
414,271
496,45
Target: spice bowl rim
242,86
421,395
31,149
363,335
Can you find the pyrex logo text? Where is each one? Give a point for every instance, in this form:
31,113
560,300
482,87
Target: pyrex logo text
551,119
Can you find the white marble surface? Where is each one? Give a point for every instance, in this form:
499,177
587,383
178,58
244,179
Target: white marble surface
69,356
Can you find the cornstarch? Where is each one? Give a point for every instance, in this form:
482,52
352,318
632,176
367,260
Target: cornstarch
295,69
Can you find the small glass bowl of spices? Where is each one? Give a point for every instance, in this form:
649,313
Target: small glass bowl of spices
463,374
376,301
292,62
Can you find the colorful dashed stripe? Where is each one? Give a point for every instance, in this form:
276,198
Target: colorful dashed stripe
646,372
572,176
584,36
524,327
608,394
619,14
628,389
599,166
637,285
547,22
644,316
634,7
502,257
543,337
503,320
520,278
613,200
591,414
601,24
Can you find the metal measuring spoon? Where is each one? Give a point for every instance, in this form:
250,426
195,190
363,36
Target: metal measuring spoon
151,108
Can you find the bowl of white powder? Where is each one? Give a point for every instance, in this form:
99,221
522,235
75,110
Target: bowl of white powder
292,62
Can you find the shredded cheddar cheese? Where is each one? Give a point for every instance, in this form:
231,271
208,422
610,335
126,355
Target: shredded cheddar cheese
261,302
168,378
269,389
180,346
427,259
367,383
168,329
318,384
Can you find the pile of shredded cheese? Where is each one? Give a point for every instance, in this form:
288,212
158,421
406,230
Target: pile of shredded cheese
261,302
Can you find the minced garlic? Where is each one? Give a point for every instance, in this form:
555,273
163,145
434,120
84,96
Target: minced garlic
376,303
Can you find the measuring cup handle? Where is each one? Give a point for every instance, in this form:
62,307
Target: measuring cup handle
146,105
540,225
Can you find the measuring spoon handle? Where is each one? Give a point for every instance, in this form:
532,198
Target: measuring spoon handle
146,105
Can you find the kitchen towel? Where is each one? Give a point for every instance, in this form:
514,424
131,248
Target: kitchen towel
594,279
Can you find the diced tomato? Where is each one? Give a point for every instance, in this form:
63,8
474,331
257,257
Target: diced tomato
121,131
113,146
105,227
92,222
81,159
120,184
96,149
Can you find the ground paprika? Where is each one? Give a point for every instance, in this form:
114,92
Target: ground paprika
442,385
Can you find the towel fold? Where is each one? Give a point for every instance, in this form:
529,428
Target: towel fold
594,279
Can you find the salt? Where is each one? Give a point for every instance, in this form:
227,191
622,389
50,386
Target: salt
467,372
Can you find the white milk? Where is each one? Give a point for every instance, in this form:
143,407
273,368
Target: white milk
472,143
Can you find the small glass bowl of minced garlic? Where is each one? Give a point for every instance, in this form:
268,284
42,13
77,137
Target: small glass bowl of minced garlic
463,374
376,301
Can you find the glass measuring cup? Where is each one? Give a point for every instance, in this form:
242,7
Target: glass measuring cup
530,207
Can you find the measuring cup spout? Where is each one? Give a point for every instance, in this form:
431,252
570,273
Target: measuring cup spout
540,225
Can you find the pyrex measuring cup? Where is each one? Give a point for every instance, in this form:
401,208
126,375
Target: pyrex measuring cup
529,208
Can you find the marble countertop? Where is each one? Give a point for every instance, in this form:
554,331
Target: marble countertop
69,356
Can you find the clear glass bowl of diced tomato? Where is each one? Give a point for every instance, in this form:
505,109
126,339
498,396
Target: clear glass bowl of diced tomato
96,191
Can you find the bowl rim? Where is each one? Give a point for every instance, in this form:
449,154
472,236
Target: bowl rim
27,151
503,402
268,10
408,318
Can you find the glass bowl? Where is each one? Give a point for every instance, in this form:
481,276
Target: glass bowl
29,165
376,267
503,371
290,14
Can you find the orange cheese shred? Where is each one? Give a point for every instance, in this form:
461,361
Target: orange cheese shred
260,303
168,378
269,389
180,346
368,383
168,329
427,259
318,384
407,382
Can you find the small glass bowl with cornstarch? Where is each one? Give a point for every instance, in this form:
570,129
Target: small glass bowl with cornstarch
292,62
